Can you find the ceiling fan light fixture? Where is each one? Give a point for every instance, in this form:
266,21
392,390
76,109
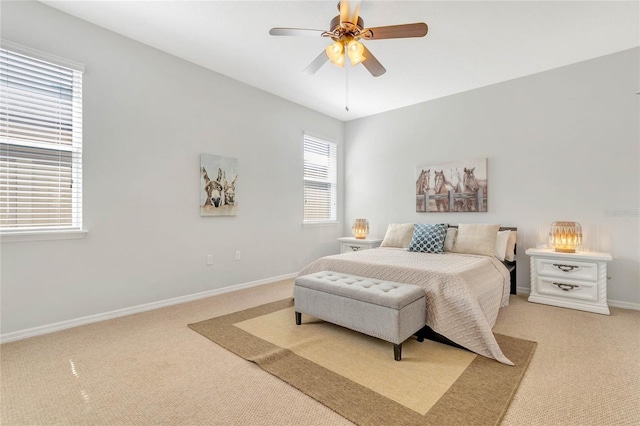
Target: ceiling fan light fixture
335,52
355,50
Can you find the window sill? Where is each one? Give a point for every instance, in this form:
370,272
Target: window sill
327,223
42,236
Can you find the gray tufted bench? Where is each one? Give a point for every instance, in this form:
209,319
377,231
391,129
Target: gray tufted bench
387,310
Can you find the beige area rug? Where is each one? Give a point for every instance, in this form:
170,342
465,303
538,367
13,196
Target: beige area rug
356,376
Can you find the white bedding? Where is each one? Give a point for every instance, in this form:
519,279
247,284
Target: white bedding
464,292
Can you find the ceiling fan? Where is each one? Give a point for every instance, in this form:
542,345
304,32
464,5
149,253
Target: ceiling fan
346,30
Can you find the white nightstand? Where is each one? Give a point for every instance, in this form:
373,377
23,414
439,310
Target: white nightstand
570,280
348,244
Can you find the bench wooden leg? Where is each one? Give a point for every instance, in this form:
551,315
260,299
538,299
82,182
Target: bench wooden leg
397,351
298,318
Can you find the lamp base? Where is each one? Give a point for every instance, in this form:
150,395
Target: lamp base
565,250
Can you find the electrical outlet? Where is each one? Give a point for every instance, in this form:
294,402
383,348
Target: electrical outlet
237,254
209,259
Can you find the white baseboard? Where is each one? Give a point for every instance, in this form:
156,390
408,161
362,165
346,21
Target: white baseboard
63,325
611,303
623,305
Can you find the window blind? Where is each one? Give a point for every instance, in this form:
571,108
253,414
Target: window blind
40,145
320,180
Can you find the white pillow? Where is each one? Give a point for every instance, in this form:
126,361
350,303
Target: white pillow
476,238
398,235
510,253
501,244
450,239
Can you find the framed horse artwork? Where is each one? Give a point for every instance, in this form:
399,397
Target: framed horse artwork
455,186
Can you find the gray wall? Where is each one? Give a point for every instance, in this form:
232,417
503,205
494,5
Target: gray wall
561,145
147,118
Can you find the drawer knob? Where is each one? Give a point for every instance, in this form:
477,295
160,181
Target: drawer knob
355,248
566,287
565,268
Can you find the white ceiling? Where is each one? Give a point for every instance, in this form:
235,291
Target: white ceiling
470,44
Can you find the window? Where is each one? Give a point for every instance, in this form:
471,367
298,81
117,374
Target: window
40,142
320,180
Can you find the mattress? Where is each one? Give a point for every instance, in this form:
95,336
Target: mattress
463,292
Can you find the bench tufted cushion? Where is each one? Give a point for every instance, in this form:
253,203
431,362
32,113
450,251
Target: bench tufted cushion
383,293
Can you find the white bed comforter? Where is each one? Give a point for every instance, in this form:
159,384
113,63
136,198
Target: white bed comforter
464,292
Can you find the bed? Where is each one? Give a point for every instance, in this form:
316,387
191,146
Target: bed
464,292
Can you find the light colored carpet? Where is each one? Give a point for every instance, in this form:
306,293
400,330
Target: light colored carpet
356,375
150,368
586,369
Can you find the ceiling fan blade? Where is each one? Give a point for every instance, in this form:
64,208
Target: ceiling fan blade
349,11
317,63
296,32
372,64
419,29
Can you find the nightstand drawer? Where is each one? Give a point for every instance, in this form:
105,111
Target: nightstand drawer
567,289
567,269
349,244
347,247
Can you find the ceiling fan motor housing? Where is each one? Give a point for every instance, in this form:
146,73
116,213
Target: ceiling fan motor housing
338,30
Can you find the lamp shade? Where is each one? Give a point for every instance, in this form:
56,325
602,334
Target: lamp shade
565,237
335,53
360,228
355,50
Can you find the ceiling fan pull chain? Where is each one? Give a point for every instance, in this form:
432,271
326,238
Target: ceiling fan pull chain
346,96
